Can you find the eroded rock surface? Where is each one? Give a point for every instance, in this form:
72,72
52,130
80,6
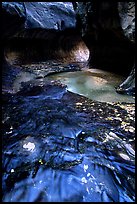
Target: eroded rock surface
59,146
46,15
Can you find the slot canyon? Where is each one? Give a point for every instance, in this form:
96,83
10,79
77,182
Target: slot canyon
68,101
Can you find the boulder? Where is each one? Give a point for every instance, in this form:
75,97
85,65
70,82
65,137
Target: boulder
47,15
50,15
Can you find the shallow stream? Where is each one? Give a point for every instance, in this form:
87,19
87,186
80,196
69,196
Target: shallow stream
60,146
95,84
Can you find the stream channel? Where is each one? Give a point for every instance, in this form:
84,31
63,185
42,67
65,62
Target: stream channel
67,136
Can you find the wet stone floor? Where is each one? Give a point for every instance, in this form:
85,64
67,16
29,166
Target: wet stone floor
59,146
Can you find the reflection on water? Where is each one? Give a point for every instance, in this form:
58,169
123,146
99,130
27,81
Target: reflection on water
95,84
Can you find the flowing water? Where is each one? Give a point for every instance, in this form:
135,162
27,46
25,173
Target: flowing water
62,147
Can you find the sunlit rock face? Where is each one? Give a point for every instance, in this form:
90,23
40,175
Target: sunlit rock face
78,53
81,52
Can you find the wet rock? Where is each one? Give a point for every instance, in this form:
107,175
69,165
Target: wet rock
65,148
128,86
42,88
127,17
14,77
59,146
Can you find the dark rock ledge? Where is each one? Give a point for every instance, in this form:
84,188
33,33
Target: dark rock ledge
52,137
